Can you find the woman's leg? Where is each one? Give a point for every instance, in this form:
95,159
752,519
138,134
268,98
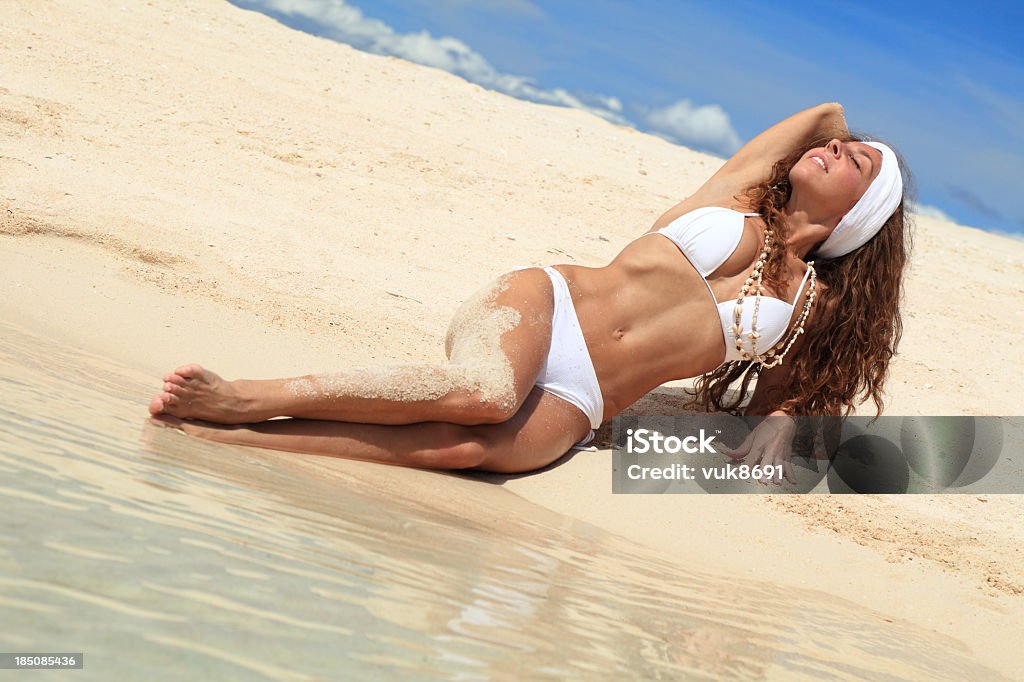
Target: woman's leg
497,344
543,429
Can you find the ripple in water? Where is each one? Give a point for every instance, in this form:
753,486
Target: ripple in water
156,554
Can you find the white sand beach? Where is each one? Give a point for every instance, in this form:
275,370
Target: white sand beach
190,182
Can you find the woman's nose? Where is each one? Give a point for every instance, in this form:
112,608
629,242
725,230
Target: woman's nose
834,147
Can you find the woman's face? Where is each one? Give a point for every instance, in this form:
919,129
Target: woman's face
834,177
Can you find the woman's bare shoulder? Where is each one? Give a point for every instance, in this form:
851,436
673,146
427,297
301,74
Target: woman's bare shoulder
715,192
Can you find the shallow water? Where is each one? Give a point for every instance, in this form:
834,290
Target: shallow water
159,555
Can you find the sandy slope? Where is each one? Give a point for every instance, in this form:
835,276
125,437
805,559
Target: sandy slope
187,181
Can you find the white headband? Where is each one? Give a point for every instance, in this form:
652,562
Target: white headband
868,215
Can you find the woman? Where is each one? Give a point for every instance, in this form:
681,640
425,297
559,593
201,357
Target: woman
805,221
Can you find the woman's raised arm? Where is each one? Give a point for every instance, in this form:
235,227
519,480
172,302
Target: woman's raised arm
753,162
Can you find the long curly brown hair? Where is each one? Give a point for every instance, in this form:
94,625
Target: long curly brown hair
854,326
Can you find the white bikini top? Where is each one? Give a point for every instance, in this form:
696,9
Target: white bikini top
707,237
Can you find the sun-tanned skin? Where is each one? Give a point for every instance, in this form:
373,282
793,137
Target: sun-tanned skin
647,318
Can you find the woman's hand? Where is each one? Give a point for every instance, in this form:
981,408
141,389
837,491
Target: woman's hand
770,444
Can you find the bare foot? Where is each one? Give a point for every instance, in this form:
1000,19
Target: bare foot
191,392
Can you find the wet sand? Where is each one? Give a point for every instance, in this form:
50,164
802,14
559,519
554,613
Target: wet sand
212,187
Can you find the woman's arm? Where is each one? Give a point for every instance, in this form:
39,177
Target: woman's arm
752,164
770,392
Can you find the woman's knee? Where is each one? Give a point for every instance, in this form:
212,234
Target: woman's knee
476,408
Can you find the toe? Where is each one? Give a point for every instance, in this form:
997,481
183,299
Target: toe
156,405
189,371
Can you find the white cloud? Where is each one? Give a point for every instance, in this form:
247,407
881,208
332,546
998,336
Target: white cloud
707,127
931,212
1019,236
704,127
344,23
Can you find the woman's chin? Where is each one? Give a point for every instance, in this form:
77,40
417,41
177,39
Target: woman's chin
806,174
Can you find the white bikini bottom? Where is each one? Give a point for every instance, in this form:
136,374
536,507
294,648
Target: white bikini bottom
568,371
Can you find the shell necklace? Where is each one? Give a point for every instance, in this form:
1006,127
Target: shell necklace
771,358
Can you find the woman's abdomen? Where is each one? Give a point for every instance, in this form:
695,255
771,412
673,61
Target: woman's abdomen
647,318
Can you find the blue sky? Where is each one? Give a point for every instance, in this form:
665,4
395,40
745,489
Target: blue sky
944,83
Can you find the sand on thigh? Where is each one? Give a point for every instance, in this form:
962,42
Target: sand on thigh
496,345
500,336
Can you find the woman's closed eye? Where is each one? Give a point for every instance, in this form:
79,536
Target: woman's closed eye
855,162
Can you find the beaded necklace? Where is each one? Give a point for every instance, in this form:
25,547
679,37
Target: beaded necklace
769,359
